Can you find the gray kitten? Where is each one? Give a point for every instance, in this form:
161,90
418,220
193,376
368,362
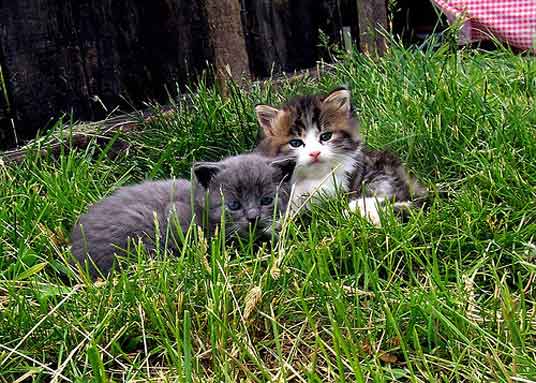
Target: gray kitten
249,190
323,135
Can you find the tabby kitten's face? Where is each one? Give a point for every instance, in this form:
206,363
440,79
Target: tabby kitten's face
319,131
250,190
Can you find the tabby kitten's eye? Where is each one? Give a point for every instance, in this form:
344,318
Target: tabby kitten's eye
267,200
234,205
295,143
326,136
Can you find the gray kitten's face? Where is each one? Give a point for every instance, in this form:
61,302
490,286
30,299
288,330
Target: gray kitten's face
250,190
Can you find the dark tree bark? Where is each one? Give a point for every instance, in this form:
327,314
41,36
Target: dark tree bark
283,35
227,37
89,56
372,18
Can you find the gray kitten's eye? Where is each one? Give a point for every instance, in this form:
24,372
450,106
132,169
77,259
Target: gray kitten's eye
296,143
267,200
233,205
326,136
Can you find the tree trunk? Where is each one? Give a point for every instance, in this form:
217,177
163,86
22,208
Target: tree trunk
230,57
372,18
284,35
86,57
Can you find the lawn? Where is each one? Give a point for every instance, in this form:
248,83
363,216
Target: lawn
448,296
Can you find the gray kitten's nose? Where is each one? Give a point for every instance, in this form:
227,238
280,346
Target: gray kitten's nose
252,215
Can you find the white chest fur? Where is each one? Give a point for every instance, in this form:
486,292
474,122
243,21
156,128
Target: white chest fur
319,180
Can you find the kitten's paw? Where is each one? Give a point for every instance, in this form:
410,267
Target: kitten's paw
368,208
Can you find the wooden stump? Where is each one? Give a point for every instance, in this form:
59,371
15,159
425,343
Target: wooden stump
372,17
226,37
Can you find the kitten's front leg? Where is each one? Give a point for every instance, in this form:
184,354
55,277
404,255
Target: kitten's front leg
368,207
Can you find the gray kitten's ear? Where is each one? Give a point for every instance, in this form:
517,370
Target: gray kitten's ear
266,116
205,171
339,99
285,166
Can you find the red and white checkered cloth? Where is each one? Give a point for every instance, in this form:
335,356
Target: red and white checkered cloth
512,21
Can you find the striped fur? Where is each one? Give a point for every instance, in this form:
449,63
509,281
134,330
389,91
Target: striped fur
322,133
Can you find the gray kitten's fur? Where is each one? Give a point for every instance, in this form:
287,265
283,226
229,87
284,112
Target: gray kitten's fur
253,189
321,132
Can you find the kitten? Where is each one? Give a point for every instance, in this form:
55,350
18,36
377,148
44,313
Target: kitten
255,189
323,135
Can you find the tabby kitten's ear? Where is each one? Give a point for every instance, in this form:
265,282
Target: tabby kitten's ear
205,171
339,100
286,167
266,116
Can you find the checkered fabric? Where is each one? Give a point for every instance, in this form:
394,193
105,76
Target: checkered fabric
512,21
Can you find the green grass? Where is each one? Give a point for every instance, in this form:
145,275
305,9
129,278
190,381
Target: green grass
449,296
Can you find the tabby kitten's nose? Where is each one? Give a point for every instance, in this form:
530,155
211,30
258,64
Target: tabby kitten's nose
253,215
314,154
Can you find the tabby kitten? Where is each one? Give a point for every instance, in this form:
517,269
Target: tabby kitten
249,189
322,133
